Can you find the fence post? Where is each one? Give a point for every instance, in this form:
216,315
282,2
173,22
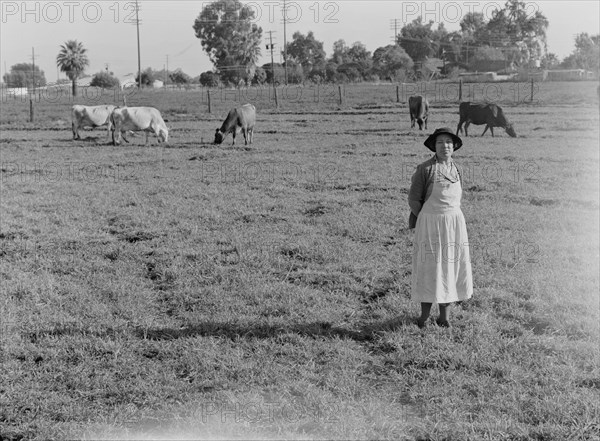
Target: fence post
340,93
208,94
460,89
531,97
30,109
397,93
275,92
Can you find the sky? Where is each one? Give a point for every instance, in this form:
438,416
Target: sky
107,28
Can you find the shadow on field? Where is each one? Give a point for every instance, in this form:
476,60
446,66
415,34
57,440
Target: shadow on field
99,140
234,331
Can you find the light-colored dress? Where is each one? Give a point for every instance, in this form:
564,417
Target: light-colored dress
441,260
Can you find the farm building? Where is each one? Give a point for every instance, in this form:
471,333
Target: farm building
478,76
569,74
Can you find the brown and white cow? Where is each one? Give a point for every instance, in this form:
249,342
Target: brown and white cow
240,118
418,106
483,113
90,116
147,119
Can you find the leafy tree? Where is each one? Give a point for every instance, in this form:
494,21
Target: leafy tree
390,61
104,80
353,62
361,57
148,77
295,73
340,52
179,77
20,76
279,73
348,72
209,79
260,76
230,38
586,54
72,60
473,27
306,51
549,61
488,58
417,39
523,38
451,48
331,71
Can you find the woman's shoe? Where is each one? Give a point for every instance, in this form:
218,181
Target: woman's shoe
443,323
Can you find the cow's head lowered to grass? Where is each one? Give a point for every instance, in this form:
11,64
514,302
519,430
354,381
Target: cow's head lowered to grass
219,137
511,131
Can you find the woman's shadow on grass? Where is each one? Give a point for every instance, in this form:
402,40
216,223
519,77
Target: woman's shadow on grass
367,332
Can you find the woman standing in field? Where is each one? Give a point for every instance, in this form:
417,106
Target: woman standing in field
441,266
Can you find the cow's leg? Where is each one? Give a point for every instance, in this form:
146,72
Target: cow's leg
233,136
251,134
467,127
412,122
155,131
146,143
485,130
425,121
75,128
492,130
124,137
459,127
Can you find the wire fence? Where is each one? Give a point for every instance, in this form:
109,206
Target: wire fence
195,98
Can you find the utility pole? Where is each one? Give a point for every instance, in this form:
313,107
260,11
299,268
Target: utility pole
394,26
270,46
167,72
32,68
285,43
137,25
32,85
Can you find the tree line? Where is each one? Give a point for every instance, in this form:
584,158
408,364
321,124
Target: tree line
510,40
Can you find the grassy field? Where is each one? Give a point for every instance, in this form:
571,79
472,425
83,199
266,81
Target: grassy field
194,291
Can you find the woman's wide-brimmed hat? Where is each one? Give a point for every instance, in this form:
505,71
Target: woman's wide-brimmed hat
430,141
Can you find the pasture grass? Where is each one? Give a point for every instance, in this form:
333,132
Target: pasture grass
197,291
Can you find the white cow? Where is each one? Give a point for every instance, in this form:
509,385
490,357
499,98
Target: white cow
134,119
90,116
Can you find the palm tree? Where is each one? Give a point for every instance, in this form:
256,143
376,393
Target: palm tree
72,60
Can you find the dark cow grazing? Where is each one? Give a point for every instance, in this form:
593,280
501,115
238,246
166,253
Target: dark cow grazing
240,118
418,107
489,114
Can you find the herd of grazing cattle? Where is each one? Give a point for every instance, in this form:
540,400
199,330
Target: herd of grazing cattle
122,120
470,113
